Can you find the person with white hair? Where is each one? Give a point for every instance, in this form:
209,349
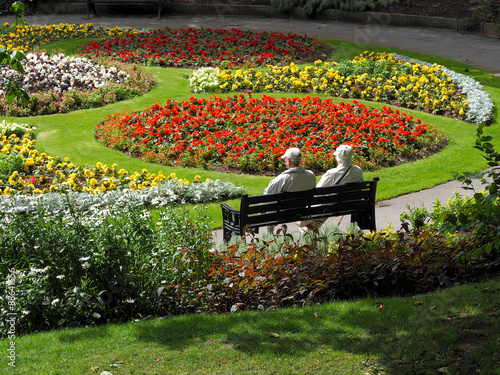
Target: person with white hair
345,171
295,178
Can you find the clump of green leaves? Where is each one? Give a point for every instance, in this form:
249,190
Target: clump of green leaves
18,9
417,216
13,88
482,214
9,164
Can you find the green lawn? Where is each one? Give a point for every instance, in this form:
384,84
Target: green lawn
455,328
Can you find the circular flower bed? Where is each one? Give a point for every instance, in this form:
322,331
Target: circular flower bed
207,47
59,84
249,134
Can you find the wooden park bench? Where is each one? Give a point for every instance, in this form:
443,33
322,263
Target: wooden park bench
91,4
356,199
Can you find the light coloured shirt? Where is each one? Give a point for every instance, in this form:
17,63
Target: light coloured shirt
333,176
293,179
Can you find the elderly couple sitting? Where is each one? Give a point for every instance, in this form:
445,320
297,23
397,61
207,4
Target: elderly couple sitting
297,178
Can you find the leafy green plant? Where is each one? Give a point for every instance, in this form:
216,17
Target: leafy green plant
483,217
13,88
417,216
86,268
18,9
9,164
484,11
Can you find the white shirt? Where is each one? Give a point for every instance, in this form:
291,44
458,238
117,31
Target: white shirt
332,176
293,179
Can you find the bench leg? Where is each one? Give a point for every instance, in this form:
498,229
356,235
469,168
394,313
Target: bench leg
226,235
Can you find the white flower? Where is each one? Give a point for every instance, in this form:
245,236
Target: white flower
60,277
55,301
205,79
86,265
96,315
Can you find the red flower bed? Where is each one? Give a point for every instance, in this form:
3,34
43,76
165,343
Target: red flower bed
250,134
206,47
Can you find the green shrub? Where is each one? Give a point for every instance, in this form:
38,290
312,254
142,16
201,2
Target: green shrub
9,164
311,7
481,215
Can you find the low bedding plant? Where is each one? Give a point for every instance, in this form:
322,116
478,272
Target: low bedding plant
199,47
27,179
60,84
25,37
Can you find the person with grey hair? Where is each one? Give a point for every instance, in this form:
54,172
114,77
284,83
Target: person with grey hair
295,178
345,171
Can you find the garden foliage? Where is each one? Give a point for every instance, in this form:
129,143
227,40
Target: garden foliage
312,7
479,214
12,88
377,264
78,269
